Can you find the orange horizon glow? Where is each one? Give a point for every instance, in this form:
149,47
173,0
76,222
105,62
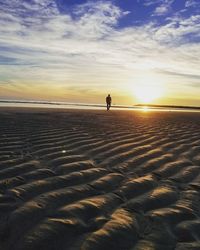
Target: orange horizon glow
129,95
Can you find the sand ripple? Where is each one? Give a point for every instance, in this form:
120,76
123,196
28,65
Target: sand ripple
95,180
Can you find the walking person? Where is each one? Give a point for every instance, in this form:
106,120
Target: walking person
108,101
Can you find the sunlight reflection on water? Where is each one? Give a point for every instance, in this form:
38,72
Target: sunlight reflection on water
60,105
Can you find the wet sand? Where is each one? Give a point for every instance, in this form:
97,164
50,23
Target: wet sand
97,180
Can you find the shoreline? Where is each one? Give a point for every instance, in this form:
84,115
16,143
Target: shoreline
93,107
81,106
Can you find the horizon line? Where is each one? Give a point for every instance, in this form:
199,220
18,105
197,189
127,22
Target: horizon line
140,105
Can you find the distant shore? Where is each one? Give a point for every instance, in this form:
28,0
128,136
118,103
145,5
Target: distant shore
167,106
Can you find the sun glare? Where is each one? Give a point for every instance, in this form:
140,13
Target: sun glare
147,94
145,108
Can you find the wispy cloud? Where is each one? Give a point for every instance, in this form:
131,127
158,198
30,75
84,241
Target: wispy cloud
180,30
192,3
163,8
151,2
85,48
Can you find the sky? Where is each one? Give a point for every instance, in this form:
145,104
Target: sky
79,51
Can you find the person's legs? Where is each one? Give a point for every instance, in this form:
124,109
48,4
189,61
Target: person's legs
108,106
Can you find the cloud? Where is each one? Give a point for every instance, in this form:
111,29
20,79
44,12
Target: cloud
182,75
163,8
192,3
152,2
97,18
23,8
180,30
85,48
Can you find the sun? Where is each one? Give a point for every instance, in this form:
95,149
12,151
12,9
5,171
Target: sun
147,94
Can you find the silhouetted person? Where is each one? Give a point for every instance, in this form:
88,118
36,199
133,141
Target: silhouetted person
108,101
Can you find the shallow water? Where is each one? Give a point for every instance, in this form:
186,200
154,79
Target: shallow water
65,105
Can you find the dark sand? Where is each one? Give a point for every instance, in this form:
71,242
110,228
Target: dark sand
97,180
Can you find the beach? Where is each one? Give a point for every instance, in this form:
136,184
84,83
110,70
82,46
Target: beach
98,180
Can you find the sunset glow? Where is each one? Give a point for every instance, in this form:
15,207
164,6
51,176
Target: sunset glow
148,93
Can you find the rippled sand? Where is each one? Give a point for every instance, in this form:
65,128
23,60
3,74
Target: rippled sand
97,180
